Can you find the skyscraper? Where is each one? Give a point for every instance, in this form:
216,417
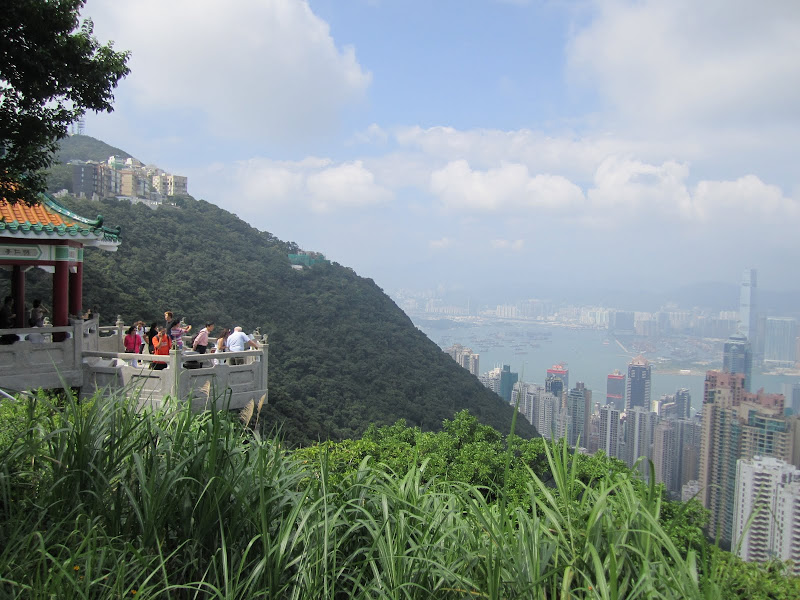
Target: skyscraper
615,389
557,381
737,357
780,342
736,424
610,430
638,388
579,407
683,403
640,425
747,304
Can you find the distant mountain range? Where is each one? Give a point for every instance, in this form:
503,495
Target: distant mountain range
342,355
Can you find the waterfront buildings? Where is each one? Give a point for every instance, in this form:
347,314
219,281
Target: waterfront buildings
767,511
780,342
638,386
737,357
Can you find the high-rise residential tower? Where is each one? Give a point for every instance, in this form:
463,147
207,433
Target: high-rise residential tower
767,510
737,357
579,407
747,304
736,424
610,430
683,403
638,388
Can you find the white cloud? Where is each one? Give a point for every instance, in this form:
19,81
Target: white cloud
313,184
249,69
685,63
504,188
349,185
501,244
441,243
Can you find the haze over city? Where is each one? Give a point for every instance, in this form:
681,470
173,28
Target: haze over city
451,144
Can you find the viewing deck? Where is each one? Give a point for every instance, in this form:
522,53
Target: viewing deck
92,358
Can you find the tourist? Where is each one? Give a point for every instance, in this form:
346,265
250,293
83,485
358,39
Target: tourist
132,343
151,333
238,341
173,327
200,343
141,333
222,340
162,344
37,314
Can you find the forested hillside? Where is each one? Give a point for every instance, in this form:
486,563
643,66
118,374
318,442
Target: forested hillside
342,355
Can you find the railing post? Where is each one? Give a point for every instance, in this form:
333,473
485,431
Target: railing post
175,367
120,324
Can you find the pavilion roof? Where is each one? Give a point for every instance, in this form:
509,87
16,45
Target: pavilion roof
50,219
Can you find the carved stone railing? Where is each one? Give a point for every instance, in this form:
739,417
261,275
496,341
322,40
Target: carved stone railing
91,357
208,378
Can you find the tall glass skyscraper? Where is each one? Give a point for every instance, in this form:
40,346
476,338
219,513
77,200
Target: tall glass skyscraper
638,387
747,304
737,357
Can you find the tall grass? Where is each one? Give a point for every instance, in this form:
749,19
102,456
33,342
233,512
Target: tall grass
98,500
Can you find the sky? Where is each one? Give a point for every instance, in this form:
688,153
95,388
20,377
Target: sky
466,144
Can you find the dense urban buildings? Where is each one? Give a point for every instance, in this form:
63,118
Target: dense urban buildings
125,178
466,358
736,424
767,511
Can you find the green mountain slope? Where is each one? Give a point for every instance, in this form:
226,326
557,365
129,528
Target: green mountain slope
84,147
342,354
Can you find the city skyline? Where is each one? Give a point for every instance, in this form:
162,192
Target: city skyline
399,138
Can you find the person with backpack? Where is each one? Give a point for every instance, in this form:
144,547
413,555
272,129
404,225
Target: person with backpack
200,341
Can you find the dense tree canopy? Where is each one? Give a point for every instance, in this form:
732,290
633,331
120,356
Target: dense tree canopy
52,69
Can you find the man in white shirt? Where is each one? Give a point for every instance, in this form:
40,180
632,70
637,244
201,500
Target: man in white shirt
238,341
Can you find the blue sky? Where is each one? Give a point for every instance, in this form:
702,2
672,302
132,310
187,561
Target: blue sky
464,144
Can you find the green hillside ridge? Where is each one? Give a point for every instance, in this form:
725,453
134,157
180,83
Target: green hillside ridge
342,355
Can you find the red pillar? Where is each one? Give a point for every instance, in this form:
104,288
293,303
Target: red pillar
18,292
61,294
76,291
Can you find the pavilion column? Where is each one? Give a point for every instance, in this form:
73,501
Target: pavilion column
61,294
76,291
18,292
